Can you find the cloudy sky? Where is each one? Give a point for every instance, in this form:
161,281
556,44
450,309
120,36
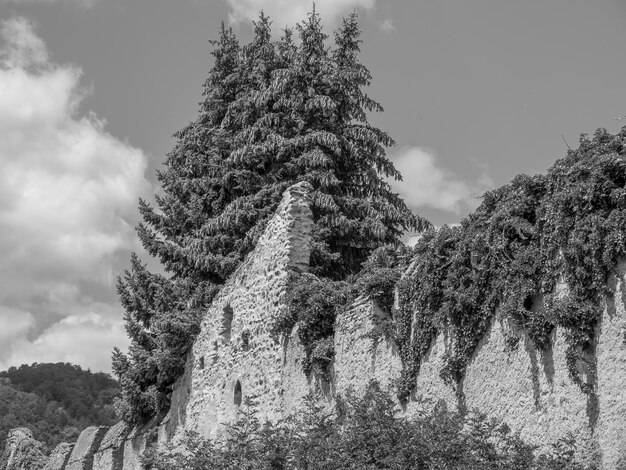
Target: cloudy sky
474,91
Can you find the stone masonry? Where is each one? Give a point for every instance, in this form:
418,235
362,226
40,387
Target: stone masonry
236,358
530,390
22,452
59,456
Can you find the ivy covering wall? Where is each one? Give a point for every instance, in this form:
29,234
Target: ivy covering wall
567,227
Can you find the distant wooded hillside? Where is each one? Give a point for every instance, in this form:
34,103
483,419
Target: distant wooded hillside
55,401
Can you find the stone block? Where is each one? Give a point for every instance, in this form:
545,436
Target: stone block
59,456
22,451
110,453
86,446
136,444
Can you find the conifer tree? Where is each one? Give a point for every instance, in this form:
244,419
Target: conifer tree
162,314
274,113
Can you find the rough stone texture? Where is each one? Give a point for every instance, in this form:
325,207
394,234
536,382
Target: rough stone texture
22,451
110,453
294,384
136,443
86,446
359,355
205,396
59,456
530,390
611,356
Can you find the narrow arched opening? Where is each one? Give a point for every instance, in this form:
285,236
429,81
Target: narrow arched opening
237,394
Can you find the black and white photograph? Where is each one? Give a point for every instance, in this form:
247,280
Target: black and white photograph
312,235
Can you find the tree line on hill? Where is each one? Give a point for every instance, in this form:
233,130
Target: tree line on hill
55,401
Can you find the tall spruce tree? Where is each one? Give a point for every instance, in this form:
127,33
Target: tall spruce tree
274,113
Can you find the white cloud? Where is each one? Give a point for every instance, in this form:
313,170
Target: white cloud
84,339
22,48
426,184
68,205
289,12
387,26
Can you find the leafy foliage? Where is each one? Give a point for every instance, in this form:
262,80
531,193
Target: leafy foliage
162,324
380,275
274,113
366,434
55,401
314,303
511,253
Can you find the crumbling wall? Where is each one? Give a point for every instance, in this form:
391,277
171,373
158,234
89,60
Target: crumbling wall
234,352
97,448
529,389
362,352
59,456
86,446
110,453
611,366
22,451
235,357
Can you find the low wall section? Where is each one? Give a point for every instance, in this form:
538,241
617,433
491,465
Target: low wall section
528,389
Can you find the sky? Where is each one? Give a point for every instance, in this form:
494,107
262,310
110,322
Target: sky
91,91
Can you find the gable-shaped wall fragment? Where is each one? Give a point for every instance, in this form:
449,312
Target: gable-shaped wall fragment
234,356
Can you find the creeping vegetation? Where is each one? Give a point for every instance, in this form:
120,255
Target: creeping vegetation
567,226
313,306
314,303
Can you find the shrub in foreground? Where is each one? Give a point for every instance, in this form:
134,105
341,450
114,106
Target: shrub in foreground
362,433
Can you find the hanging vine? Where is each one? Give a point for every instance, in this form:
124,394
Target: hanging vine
567,225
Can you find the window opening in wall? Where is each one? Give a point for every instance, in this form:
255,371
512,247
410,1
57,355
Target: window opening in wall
237,397
201,362
528,303
227,322
214,352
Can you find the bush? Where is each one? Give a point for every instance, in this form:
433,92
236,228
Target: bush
364,433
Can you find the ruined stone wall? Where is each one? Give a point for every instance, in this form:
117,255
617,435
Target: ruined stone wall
530,390
22,452
234,356
97,448
234,349
361,352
